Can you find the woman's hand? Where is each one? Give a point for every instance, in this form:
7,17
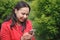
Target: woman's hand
26,36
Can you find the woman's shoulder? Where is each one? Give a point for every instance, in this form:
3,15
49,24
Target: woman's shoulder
6,24
29,21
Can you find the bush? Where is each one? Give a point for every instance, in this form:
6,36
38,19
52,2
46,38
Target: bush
45,15
6,7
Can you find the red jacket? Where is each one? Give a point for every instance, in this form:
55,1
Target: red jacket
15,33
0,34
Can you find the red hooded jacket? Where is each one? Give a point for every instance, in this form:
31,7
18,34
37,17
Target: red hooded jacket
15,33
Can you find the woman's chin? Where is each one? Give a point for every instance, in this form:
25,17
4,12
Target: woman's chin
21,20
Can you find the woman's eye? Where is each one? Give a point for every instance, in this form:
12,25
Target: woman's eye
27,14
23,13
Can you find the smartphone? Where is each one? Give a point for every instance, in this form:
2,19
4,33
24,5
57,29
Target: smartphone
31,31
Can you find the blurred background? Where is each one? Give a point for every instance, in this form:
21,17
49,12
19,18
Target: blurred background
45,16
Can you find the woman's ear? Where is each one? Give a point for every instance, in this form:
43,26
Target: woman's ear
15,11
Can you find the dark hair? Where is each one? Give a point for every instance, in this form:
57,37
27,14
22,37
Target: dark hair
13,17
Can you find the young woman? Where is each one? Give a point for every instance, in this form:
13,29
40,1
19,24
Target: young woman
17,26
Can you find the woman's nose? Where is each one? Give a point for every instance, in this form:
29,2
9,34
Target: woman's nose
25,16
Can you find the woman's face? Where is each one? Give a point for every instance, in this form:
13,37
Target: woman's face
22,13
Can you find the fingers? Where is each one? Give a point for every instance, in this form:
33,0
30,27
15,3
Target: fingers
26,36
32,32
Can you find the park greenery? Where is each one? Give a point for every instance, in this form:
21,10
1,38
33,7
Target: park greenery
45,16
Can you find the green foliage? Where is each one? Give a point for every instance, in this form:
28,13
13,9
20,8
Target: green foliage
6,7
45,15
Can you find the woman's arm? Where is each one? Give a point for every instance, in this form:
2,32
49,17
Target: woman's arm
5,32
29,33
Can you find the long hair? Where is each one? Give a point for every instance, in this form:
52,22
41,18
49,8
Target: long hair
13,17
